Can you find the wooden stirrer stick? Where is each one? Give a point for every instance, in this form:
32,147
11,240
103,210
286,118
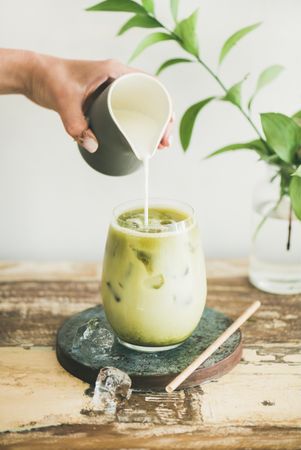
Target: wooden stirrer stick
212,348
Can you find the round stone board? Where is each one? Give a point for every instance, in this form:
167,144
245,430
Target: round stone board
148,371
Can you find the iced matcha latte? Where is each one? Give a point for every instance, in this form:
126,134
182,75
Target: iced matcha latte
153,283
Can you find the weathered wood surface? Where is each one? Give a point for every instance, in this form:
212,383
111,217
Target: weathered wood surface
256,406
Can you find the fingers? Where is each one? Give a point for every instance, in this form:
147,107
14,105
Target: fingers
166,140
71,111
88,140
117,69
76,126
102,73
91,76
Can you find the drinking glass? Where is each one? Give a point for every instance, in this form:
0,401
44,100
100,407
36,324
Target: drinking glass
154,280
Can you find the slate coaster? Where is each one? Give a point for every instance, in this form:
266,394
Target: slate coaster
148,371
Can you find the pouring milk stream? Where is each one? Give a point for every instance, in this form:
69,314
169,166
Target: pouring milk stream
142,132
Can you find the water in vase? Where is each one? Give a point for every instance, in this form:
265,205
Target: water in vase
275,260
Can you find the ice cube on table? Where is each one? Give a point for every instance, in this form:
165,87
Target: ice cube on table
93,337
111,386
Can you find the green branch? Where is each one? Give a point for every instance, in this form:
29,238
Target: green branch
215,77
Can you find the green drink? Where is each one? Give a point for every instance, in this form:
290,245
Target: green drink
154,281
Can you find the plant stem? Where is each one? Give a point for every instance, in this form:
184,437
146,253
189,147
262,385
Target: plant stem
216,78
214,75
265,218
288,245
250,122
219,81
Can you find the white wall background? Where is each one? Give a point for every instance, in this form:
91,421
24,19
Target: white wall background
53,206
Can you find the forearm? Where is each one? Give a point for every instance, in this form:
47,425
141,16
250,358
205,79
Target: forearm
15,71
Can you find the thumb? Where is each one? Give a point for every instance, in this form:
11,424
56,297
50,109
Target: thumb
76,126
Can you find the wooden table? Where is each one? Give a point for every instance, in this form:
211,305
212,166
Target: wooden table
256,406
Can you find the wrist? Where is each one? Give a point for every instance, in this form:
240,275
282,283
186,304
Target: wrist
28,63
15,70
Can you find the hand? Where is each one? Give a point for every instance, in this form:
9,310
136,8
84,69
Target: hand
64,86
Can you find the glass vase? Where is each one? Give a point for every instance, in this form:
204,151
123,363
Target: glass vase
275,259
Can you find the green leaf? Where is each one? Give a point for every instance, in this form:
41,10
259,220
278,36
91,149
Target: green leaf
139,21
171,62
149,6
282,133
186,30
297,115
256,145
295,194
188,121
234,94
272,159
150,40
297,173
118,5
233,40
174,7
297,118
266,77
